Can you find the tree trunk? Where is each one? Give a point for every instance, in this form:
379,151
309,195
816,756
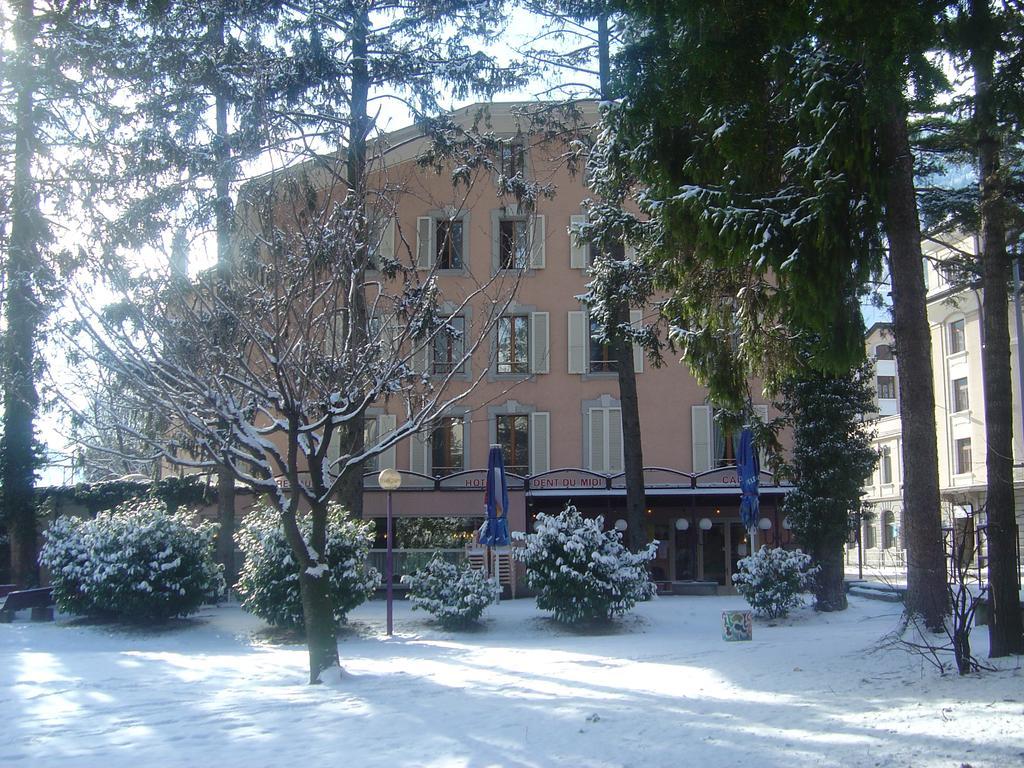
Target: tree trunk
622,352
351,434
321,630
926,576
17,448
1005,631
225,268
226,533
632,450
830,587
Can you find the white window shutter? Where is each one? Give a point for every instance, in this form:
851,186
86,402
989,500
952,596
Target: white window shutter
419,454
597,439
537,257
577,252
615,456
388,424
386,248
700,416
540,353
578,342
424,242
636,318
540,442
333,452
420,358
762,414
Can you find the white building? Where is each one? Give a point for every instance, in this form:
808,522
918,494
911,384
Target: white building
956,329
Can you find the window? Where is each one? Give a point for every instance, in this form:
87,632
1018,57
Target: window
512,159
883,352
961,401
616,251
889,529
885,465
514,344
601,360
446,446
723,446
957,342
513,244
513,434
869,541
448,241
449,347
886,387
962,457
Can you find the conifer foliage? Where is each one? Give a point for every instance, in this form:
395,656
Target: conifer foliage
832,458
582,572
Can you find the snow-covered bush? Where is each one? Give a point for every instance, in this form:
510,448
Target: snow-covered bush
135,563
772,580
269,579
456,596
580,571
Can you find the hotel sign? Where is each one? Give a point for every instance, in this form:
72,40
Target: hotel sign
568,480
474,480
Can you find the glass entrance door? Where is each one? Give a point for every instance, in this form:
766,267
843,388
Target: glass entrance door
715,543
722,546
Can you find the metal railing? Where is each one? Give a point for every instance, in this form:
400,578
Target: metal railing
411,560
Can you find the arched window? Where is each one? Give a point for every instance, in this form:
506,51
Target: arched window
883,352
868,538
888,529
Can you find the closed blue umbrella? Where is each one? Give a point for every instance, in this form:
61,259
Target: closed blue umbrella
495,529
748,467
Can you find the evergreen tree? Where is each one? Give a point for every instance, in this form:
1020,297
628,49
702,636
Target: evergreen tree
587,31
235,84
772,143
983,128
832,459
56,105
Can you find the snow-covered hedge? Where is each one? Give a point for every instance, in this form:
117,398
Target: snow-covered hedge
580,571
456,596
134,563
772,580
269,580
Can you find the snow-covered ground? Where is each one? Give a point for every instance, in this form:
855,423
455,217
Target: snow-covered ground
659,689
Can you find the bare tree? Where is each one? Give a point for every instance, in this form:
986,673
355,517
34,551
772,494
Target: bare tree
264,374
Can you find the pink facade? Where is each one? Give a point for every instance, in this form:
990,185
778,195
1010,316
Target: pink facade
552,391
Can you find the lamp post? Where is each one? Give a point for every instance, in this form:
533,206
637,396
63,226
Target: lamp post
389,480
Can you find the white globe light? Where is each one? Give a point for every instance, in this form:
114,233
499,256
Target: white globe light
705,523
682,524
764,524
621,525
389,479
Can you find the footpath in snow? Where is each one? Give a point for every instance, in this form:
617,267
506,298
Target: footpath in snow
658,689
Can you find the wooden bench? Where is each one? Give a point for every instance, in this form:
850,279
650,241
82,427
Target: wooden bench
40,600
